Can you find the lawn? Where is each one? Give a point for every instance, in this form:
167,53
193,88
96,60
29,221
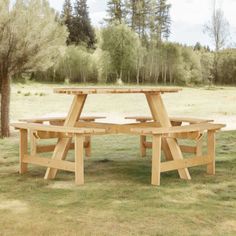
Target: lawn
117,198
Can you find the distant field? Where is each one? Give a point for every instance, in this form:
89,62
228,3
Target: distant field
117,198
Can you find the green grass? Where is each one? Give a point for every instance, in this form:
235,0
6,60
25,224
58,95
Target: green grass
117,198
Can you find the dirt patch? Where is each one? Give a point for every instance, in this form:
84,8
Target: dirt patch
15,206
62,185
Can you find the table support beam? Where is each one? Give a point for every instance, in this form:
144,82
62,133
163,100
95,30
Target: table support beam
63,144
159,114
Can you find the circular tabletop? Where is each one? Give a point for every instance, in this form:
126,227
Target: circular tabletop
106,90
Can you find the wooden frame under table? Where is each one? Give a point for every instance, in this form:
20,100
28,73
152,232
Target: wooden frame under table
171,148
159,133
175,121
78,133
35,148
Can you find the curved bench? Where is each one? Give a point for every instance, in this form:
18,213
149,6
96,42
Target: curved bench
175,121
56,121
158,133
78,134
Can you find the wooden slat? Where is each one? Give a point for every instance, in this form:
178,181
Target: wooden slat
143,146
50,148
179,129
185,149
101,90
211,152
23,150
59,119
79,161
156,160
190,120
53,163
54,128
188,149
184,163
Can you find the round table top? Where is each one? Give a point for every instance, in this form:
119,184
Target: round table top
106,90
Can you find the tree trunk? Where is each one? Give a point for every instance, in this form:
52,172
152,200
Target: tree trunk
5,104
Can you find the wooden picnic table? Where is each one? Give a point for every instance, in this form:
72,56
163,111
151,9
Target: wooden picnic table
165,132
158,110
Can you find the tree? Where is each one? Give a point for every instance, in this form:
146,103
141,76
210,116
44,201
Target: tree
138,11
115,11
217,28
82,28
120,43
160,19
218,31
30,39
67,18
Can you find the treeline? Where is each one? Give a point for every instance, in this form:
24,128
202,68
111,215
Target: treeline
133,47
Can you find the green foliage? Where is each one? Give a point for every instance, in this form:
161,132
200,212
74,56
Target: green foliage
77,65
120,43
78,23
30,38
227,67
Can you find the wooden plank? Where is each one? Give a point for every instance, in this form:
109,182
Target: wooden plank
53,163
199,145
184,163
23,150
63,144
87,146
60,129
105,90
160,114
183,148
188,149
59,119
190,120
33,143
179,129
142,145
156,160
211,152
79,161
50,148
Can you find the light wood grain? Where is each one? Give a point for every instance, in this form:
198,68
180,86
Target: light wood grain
106,90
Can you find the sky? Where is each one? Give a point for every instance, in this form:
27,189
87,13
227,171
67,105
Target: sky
188,18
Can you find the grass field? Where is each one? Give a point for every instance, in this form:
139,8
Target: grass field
117,198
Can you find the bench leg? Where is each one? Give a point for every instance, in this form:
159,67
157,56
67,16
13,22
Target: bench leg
23,150
156,160
142,146
211,152
79,160
199,147
33,144
87,146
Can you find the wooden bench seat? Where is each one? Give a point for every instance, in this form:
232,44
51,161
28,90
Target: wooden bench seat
157,135
189,120
175,121
77,133
59,121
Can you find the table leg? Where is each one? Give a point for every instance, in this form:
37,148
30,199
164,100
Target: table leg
23,150
142,145
211,152
79,160
63,144
159,113
156,160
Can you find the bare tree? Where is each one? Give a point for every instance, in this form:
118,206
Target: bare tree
218,31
